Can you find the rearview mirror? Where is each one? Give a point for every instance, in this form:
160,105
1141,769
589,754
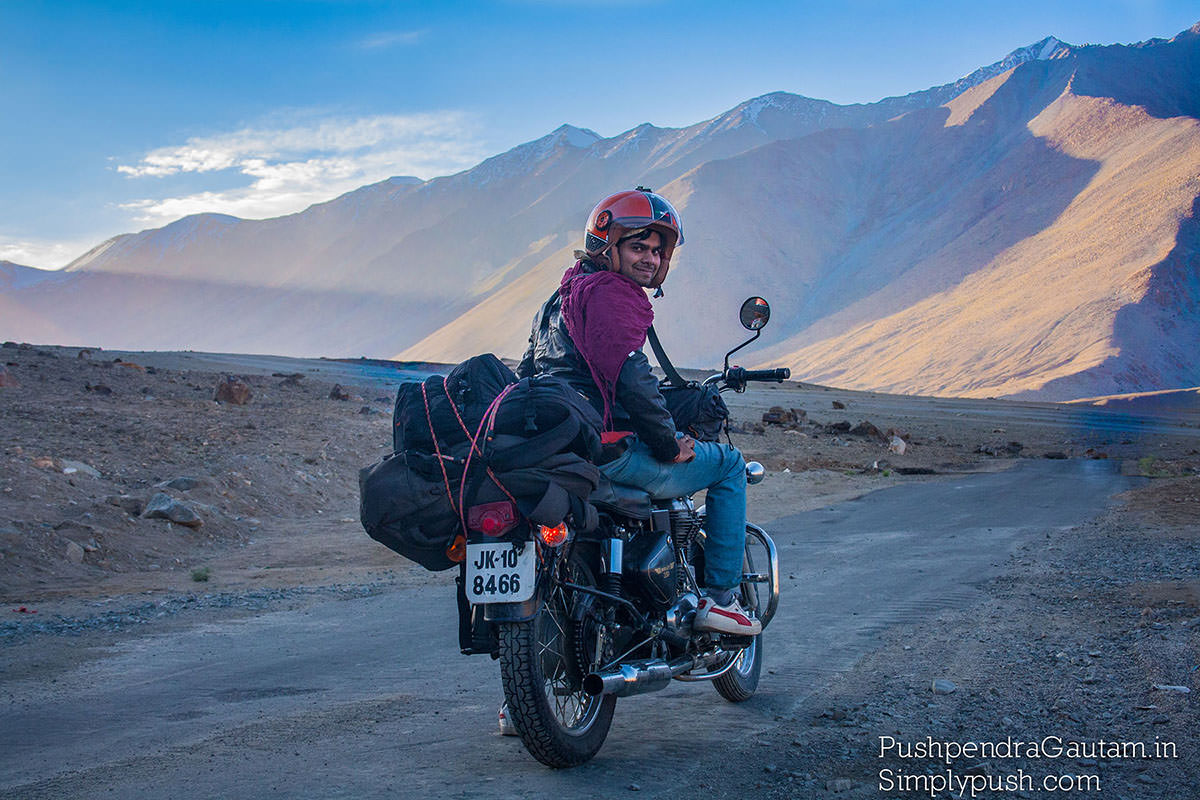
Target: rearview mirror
755,313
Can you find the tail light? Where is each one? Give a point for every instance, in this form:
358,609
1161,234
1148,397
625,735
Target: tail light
492,519
553,537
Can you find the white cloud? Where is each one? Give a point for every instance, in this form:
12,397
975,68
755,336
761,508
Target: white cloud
385,39
289,168
43,253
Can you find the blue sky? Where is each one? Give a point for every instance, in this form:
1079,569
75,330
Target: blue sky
123,116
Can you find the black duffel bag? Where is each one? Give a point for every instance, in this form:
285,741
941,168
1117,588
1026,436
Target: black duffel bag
404,505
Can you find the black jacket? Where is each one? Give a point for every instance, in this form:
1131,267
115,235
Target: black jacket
639,405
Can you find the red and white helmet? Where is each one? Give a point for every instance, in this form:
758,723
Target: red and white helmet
617,215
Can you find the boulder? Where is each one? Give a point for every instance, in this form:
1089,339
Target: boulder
183,483
232,390
778,415
128,503
73,467
897,445
98,388
163,506
867,430
74,552
1000,449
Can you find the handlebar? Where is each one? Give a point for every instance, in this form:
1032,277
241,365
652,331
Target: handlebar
736,378
777,375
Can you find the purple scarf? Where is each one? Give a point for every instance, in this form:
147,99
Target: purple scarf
607,316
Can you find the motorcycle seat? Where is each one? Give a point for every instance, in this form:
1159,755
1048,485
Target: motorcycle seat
631,501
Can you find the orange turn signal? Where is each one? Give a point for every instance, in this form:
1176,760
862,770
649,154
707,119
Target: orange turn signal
457,551
553,537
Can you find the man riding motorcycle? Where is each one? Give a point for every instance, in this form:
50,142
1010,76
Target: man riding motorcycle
591,333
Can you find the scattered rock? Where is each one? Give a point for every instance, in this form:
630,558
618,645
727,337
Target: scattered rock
778,415
84,353
72,467
868,430
127,503
338,393
897,445
943,686
1055,454
838,427
1168,687
163,506
74,553
7,378
98,388
366,410
131,365
232,390
44,462
182,483
839,405
839,785
75,525
1000,449
289,379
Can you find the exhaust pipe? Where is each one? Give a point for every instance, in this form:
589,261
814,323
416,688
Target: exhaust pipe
637,677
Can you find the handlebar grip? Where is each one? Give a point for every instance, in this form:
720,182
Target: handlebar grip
777,375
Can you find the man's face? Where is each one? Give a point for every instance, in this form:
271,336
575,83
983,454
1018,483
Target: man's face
639,259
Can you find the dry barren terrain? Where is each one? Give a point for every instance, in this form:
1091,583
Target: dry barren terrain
1072,639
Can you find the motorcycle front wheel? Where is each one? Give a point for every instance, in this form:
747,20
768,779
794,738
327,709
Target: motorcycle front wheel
542,664
741,681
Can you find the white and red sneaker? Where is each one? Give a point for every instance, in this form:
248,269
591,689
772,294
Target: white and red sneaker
729,618
506,726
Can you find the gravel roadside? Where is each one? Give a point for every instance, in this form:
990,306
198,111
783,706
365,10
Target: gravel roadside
1087,648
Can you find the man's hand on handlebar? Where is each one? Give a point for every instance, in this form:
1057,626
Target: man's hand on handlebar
687,450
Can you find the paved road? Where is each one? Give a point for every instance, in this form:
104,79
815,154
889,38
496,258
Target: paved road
368,698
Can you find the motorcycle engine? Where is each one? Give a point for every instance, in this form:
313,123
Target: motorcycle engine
653,560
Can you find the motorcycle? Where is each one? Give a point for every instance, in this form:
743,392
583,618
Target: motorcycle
580,619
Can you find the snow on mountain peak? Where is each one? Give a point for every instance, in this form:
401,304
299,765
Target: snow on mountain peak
575,137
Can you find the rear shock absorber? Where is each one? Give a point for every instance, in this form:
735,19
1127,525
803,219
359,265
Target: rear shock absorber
614,557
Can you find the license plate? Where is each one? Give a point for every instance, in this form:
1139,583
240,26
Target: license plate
498,573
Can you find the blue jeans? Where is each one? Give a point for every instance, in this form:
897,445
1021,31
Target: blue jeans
718,468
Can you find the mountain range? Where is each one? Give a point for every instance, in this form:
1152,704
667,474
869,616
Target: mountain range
1030,230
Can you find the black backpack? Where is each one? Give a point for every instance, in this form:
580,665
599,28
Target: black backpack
464,394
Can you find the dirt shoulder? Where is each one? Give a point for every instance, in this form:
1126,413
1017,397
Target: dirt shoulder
1088,647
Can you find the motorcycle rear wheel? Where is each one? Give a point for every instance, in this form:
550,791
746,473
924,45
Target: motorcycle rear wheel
559,724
